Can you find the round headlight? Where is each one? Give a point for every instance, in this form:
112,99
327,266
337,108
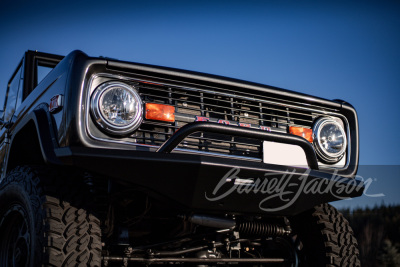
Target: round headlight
330,140
116,107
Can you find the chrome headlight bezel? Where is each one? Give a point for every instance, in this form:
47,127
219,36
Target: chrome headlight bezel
106,125
324,155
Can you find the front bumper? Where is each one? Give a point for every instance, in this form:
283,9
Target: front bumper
219,185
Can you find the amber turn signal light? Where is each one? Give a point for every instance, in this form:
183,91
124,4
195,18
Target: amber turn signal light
160,112
303,132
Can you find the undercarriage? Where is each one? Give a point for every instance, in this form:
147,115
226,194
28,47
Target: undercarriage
205,240
141,230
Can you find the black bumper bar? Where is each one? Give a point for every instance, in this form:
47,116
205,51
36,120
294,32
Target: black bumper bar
208,127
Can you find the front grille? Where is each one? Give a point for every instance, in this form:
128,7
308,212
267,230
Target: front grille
254,109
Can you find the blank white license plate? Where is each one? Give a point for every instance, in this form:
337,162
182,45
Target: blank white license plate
284,154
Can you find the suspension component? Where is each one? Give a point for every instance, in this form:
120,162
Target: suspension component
261,229
211,221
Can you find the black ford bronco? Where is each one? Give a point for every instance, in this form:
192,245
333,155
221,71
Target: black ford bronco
106,162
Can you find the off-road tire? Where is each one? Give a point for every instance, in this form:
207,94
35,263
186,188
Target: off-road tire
51,212
327,238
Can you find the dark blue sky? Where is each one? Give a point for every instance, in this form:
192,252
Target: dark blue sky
332,49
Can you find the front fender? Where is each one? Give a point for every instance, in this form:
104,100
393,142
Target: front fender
33,134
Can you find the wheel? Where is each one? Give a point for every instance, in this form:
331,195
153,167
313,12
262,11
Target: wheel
45,220
324,238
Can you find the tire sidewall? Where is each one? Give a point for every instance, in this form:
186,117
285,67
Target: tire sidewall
14,193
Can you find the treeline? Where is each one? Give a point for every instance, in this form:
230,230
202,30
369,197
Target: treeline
378,234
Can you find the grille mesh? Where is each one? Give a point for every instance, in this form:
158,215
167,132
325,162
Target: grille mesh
256,109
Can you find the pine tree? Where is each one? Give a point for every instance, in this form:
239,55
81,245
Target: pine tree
389,255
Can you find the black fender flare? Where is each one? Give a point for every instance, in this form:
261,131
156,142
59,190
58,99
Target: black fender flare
45,131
